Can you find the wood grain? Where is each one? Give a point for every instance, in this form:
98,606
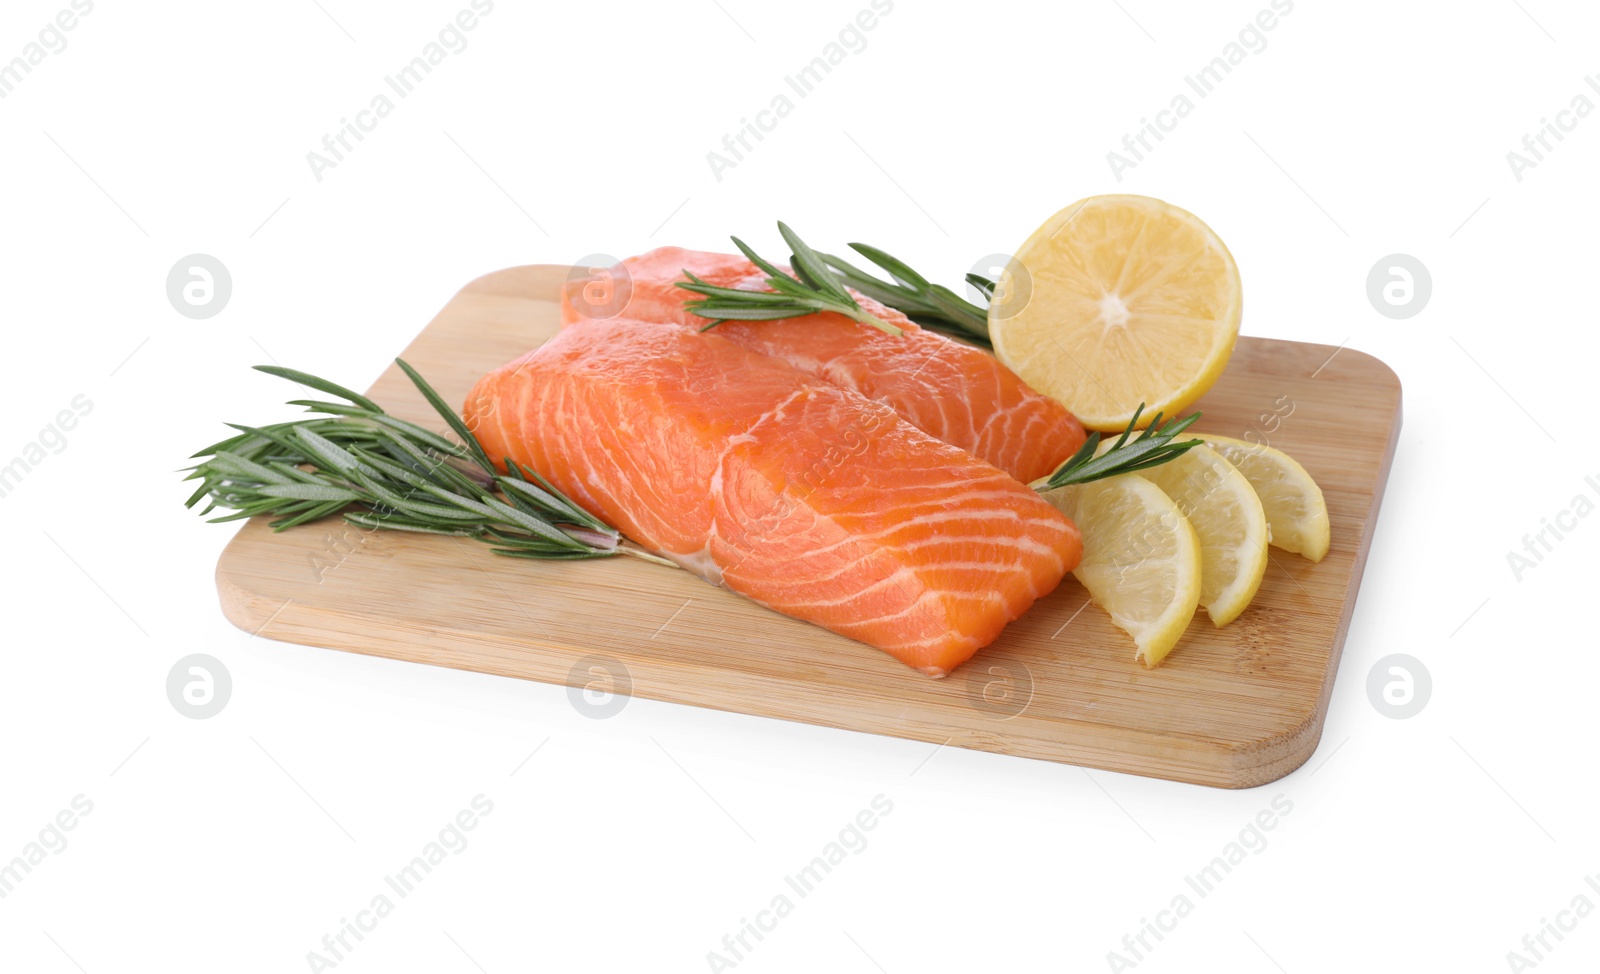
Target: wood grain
1233,707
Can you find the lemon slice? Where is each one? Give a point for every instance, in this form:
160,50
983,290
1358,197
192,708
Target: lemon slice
1295,509
1117,301
1141,558
1228,519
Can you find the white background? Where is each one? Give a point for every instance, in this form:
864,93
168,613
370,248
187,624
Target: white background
636,843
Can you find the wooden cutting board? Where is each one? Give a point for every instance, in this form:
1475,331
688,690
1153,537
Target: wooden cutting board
1232,707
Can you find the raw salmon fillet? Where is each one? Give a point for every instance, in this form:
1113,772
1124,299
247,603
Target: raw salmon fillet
949,390
805,497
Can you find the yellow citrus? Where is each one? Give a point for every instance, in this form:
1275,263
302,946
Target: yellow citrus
1227,517
1117,301
1296,511
1141,558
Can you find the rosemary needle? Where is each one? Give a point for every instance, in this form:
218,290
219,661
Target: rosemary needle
819,283
930,305
1150,448
379,471
810,289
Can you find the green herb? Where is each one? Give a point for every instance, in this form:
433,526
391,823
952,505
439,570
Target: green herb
810,289
930,305
816,283
1151,448
382,472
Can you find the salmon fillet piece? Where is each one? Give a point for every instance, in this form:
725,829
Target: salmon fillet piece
805,497
947,389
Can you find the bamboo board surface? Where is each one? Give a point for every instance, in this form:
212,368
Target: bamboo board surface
1232,707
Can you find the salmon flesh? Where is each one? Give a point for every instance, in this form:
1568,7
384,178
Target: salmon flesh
797,492
949,390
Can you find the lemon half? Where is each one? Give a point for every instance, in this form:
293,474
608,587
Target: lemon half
1117,301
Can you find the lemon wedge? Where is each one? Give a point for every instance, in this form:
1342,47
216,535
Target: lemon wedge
1117,301
1141,558
1296,511
1228,518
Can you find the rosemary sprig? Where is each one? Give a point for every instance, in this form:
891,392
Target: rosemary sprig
810,289
1151,448
382,472
928,304
816,283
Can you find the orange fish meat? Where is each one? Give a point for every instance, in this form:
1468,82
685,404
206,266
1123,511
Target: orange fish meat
801,495
949,390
